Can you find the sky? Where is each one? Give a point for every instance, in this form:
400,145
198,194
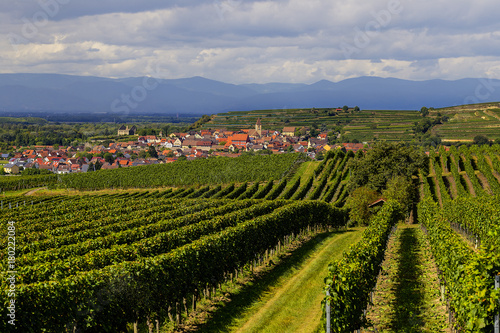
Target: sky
236,41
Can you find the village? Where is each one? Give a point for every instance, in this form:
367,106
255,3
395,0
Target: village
154,149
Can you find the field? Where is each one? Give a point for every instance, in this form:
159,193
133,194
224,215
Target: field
465,122
468,121
364,125
167,254
123,245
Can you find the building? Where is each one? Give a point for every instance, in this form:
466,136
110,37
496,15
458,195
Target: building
288,131
240,140
124,130
258,127
11,168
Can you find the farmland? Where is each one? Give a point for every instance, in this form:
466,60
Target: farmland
461,124
153,254
365,125
468,121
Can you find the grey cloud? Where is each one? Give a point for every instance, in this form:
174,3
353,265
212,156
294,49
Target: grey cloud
255,40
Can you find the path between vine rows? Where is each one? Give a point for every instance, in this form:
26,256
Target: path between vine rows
407,296
292,303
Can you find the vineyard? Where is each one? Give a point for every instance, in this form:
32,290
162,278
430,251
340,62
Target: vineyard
459,210
141,256
204,171
13,183
147,256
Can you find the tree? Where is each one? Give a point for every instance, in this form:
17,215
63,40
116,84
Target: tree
356,108
424,111
108,157
290,149
314,132
265,152
402,190
382,163
152,152
422,126
481,140
358,203
345,108
97,166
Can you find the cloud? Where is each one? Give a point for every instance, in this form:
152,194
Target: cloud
253,41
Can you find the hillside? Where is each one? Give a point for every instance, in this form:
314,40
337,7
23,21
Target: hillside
467,121
450,124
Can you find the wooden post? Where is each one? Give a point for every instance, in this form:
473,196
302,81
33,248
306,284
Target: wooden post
328,311
150,325
497,316
169,311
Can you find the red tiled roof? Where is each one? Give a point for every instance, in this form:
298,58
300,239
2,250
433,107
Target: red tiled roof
239,137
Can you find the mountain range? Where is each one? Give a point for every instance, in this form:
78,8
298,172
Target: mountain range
197,95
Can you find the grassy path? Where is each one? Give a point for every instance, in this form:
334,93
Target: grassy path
407,295
289,298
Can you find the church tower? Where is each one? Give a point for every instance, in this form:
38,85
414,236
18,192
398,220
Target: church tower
258,127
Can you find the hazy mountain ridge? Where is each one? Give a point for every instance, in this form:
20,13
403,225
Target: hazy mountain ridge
66,93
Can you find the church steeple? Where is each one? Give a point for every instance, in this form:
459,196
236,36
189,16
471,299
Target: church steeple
258,127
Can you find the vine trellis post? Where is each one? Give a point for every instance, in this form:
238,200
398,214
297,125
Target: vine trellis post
328,319
497,315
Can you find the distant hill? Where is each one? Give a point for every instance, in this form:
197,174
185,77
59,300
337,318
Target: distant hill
197,95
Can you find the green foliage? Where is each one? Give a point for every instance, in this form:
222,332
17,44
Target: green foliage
468,275
13,183
220,170
351,279
108,157
401,190
150,270
152,152
35,171
249,192
384,162
481,140
277,189
199,123
358,202
422,126
301,193
424,111
261,193
291,190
